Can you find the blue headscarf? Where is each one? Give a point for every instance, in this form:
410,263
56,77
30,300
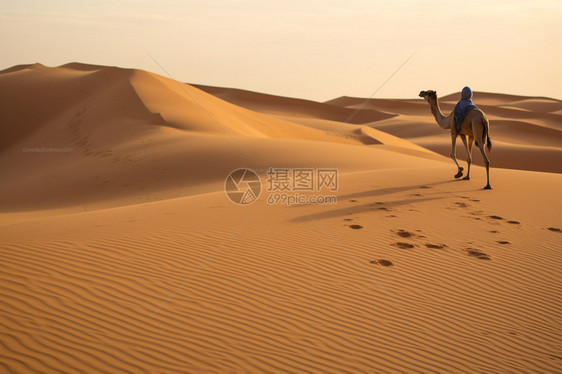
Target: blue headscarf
464,106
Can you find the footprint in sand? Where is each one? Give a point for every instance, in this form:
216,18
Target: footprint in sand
353,201
501,219
404,234
503,242
494,231
355,227
435,246
379,205
478,254
469,198
348,219
424,187
462,205
476,213
554,229
403,245
382,262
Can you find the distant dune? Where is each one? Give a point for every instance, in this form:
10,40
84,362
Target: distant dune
120,251
527,130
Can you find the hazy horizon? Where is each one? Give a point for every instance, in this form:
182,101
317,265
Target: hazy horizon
317,50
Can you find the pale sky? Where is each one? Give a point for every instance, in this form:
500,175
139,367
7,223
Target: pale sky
313,49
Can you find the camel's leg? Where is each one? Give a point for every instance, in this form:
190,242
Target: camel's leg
468,141
454,155
487,162
468,146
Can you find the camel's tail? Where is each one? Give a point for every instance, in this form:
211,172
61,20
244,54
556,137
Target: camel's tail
486,134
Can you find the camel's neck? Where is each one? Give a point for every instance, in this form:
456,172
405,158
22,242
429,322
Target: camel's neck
442,121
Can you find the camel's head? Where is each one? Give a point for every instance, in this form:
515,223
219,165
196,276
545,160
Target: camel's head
429,96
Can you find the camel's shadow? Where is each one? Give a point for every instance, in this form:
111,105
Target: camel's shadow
430,192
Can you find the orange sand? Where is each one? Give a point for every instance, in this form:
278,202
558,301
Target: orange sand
123,253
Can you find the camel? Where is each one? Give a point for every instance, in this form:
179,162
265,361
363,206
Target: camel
474,127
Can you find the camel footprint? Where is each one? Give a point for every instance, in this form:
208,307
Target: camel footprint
379,205
406,234
470,199
478,254
500,218
353,226
382,262
403,245
435,246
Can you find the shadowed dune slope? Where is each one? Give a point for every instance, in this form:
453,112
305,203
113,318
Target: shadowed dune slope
93,134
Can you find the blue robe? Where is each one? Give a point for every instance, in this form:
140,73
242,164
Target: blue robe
464,106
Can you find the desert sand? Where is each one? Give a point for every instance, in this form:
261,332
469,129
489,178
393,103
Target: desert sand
121,252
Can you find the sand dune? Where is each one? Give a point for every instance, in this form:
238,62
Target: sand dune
294,107
138,136
122,253
281,295
124,130
527,128
529,125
